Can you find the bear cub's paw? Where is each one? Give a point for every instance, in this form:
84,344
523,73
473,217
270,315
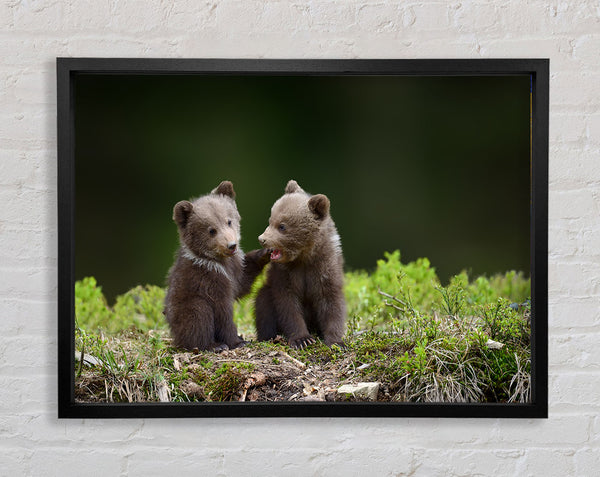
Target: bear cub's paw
339,343
302,342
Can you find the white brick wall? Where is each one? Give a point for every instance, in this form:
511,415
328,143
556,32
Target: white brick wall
33,33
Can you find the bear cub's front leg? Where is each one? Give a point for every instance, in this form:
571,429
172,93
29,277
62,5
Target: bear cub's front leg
209,273
303,293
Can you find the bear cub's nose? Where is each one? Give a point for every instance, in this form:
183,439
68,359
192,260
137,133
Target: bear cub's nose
232,246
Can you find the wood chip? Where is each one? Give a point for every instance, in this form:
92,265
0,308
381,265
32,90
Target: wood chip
164,393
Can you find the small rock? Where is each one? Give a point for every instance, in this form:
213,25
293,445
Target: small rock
192,389
366,391
491,344
88,359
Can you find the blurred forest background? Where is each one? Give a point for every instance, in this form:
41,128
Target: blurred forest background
436,167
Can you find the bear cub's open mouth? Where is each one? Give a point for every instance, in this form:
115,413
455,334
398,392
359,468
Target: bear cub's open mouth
276,254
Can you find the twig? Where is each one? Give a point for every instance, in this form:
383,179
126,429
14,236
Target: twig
391,297
293,360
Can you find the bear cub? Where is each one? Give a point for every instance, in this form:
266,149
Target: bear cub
303,292
209,273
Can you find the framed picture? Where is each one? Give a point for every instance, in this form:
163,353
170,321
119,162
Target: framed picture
392,214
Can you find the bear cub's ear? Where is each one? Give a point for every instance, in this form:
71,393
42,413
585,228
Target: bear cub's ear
319,205
181,212
225,188
292,186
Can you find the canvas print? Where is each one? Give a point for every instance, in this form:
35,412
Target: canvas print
302,239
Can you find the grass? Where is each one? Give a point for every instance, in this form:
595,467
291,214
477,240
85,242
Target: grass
467,341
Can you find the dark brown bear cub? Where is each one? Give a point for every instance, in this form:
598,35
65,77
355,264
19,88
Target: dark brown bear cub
209,273
303,293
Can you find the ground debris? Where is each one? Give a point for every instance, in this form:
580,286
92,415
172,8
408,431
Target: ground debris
162,389
368,391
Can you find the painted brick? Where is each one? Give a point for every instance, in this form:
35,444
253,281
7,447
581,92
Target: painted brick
31,50
586,94
587,461
443,462
44,15
34,33
575,430
137,16
188,461
471,17
22,395
588,355
15,461
595,432
201,15
567,128
86,15
35,87
585,49
91,462
593,129
557,48
333,17
575,388
110,433
582,203
432,16
574,167
591,242
573,313
21,354
380,17
547,462
26,315
581,279
563,241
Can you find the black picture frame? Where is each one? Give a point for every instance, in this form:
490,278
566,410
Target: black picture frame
68,70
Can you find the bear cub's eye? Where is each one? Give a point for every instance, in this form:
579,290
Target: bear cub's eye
229,222
212,232
281,227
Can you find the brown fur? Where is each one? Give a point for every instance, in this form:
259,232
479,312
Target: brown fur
303,293
209,273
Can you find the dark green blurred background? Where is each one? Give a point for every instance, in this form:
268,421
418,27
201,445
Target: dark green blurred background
437,167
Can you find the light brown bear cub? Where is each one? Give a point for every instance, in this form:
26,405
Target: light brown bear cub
303,292
209,273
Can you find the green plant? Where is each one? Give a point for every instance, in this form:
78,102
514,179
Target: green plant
422,341
141,307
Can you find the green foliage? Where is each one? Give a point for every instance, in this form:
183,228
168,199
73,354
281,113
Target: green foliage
141,307
455,294
91,310
507,323
243,310
423,341
415,283
414,289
